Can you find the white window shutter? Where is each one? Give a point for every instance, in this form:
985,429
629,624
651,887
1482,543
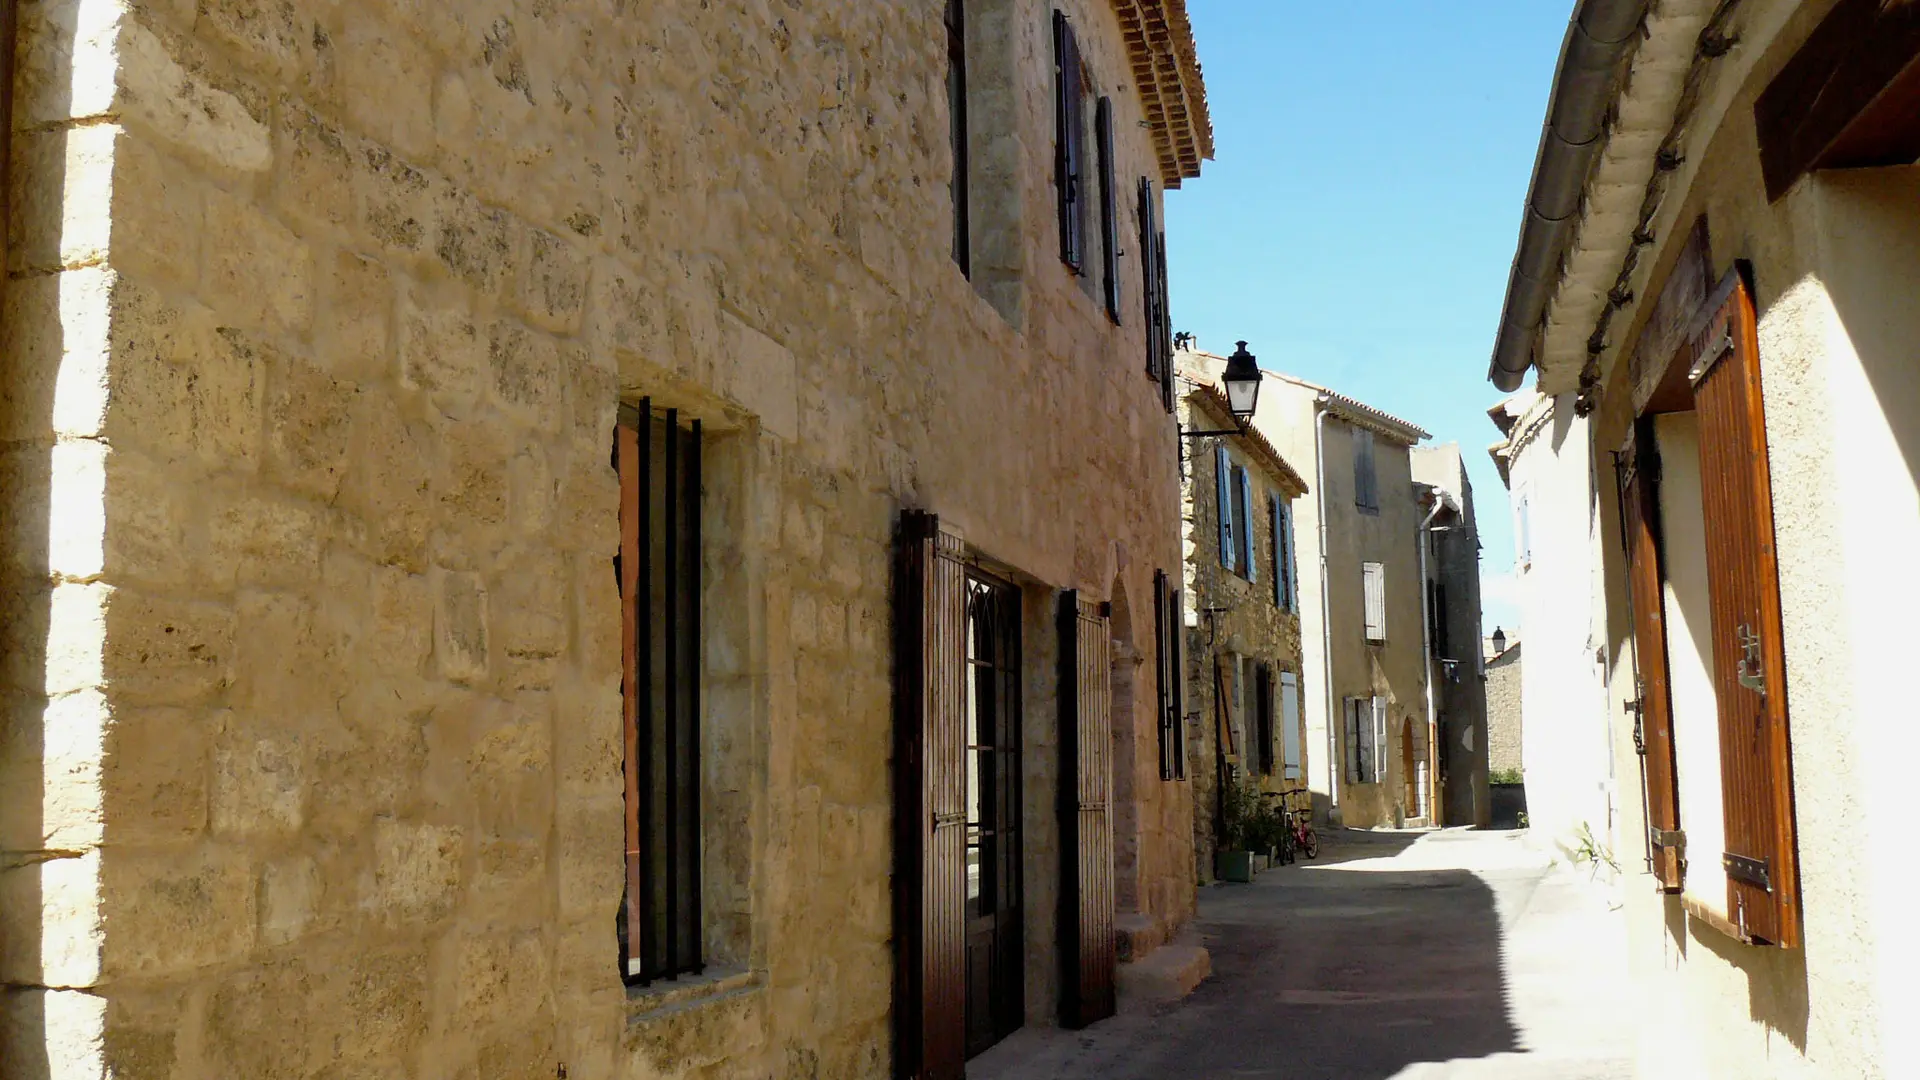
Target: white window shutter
1375,581
1379,739
1290,726
1222,467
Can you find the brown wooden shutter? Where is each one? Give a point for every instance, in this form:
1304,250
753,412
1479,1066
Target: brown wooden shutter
1743,588
1640,525
1070,156
930,818
1086,812
1109,209
630,452
1165,618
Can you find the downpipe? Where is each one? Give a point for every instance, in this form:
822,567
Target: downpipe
1326,620
1426,649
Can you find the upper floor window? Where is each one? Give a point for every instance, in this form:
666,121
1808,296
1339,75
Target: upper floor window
1366,484
957,124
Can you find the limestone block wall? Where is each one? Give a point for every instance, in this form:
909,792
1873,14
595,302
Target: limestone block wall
316,323
1233,617
1505,722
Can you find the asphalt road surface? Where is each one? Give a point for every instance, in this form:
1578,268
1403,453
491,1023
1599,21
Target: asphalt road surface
1458,955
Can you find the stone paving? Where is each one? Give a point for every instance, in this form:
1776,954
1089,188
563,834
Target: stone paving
1412,956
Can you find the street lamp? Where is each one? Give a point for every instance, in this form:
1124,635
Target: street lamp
1242,380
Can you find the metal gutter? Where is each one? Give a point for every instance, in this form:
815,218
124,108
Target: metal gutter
1599,37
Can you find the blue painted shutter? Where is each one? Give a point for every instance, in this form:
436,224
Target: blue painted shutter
1293,565
1222,476
1245,521
1279,553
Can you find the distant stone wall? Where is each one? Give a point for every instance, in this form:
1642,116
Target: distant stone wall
1503,713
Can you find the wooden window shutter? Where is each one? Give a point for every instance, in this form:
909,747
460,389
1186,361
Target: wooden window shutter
1366,493
1109,209
1167,634
1086,812
1263,718
1290,737
1069,160
1243,520
1743,589
1374,588
1164,337
1355,752
930,814
1279,552
1223,481
1638,472
1163,670
1177,626
1379,740
1150,296
1293,561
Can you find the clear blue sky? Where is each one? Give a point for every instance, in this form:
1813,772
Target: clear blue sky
1360,218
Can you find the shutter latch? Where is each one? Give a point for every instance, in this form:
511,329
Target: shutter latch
1636,709
1752,675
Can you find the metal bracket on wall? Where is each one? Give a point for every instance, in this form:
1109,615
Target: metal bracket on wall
1676,839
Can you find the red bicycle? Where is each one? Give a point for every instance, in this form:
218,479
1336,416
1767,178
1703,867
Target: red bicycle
1298,838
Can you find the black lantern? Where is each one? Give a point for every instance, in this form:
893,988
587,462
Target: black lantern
1242,381
1243,384
1499,641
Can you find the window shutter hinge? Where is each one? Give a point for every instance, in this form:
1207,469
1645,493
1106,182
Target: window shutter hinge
1755,872
1674,839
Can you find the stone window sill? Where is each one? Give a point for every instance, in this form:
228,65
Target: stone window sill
689,992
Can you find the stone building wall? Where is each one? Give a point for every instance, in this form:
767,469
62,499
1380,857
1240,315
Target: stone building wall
1505,723
317,321
1231,616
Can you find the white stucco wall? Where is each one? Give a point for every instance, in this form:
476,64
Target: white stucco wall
1562,698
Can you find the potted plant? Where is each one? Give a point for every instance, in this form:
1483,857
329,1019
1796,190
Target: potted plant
1233,861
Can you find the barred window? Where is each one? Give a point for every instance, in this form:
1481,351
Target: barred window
658,568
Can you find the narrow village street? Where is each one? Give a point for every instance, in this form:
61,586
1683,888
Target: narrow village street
1455,954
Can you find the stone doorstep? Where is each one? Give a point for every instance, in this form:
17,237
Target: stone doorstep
1137,935
1167,974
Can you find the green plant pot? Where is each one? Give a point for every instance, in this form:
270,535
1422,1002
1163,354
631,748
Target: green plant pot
1233,866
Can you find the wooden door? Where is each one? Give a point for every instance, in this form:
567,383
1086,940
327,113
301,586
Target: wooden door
1743,588
1640,532
1086,812
930,812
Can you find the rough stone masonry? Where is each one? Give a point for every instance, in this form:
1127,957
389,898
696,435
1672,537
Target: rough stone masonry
317,318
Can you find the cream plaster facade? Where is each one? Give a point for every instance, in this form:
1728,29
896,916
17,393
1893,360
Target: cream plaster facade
1833,264
1567,753
317,320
